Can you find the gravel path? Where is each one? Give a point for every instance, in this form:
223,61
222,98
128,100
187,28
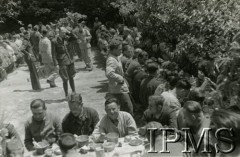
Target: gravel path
16,93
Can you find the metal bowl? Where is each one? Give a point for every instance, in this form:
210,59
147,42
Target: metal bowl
109,146
112,137
82,140
42,147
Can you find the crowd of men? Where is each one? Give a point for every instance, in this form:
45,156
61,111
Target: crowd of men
146,87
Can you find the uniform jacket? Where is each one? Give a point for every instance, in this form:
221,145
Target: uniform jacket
61,52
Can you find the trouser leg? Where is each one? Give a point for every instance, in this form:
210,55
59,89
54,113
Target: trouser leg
77,48
35,52
72,84
52,77
88,57
52,74
86,52
65,87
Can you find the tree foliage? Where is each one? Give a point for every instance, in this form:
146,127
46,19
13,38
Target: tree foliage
197,31
34,11
9,9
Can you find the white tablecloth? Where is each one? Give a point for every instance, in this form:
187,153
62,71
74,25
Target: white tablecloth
123,151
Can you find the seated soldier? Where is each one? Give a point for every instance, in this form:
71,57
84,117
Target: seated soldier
67,144
115,121
8,133
174,148
195,120
159,112
80,120
222,118
14,148
135,65
41,125
173,98
149,84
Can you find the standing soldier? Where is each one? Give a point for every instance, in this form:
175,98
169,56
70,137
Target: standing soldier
45,50
64,59
117,84
26,49
84,38
30,29
34,39
76,45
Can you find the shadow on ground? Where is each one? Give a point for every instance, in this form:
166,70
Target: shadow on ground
54,101
103,87
100,60
40,90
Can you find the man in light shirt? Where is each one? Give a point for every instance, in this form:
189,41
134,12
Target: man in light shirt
116,121
177,95
117,86
84,38
45,49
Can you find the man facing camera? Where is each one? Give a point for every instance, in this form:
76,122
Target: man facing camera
80,120
115,121
41,126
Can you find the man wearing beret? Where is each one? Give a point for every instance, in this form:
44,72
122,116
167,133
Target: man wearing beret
80,120
114,72
64,59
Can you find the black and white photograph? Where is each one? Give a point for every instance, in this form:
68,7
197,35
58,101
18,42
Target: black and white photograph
119,78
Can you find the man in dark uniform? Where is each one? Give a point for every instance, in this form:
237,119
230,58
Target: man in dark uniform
149,85
34,39
65,60
80,120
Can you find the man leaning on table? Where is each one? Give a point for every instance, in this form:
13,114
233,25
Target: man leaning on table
41,126
115,121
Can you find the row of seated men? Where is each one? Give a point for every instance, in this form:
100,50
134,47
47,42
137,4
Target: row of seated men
83,120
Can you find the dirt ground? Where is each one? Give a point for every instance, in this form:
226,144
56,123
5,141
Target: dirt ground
16,93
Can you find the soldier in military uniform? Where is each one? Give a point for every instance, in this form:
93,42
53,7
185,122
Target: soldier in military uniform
65,60
26,49
149,84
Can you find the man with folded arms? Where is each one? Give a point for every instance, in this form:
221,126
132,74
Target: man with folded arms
115,121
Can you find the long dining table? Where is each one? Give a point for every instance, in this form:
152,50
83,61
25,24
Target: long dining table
125,150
